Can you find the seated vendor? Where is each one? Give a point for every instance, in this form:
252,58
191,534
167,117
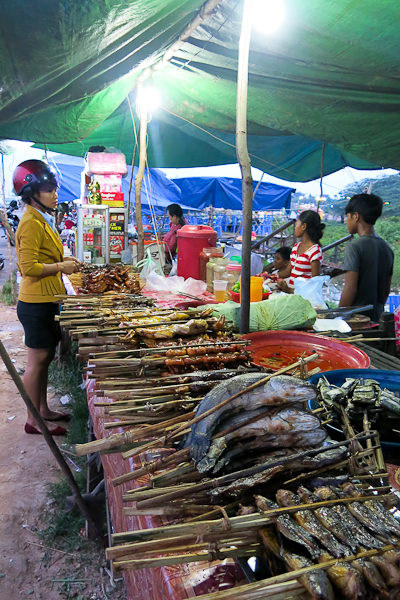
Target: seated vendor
280,263
306,255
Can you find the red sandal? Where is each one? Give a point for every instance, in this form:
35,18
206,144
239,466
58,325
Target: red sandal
57,431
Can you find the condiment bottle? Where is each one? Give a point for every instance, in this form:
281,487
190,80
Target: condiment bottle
232,274
220,268
204,257
210,273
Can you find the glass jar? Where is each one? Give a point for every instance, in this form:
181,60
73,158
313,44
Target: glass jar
204,257
212,261
232,274
220,268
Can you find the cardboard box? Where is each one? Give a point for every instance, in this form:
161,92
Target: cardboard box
114,199
109,183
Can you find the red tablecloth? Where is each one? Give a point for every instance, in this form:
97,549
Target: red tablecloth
161,583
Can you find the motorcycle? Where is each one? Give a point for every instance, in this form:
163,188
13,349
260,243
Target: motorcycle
12,219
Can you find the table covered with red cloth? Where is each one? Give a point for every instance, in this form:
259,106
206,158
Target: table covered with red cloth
161,583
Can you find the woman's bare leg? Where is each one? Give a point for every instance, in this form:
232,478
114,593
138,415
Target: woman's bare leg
35,381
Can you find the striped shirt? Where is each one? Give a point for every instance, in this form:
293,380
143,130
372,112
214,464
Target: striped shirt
301,263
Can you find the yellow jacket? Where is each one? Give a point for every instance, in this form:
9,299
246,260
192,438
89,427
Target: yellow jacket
36,243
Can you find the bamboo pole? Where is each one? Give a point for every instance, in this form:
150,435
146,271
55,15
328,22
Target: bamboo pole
244,162
142,113
50,442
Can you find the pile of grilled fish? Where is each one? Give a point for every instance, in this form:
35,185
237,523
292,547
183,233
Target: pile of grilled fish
268,416
356,396
337,531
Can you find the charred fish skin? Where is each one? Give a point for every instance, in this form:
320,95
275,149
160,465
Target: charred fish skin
329,519
360,534
310,523
278,391
364,514
288,527
371,574
384,515
389,570
346,578
316,582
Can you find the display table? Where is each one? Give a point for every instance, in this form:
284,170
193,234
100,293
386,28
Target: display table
161,583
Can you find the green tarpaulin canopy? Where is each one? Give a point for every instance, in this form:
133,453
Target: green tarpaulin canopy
331,74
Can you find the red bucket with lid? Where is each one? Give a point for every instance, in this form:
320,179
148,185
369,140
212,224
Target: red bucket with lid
191,241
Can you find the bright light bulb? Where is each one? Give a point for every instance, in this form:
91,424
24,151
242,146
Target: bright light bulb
148,99
268,15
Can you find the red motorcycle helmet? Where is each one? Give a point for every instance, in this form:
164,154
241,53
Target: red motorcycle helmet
30,174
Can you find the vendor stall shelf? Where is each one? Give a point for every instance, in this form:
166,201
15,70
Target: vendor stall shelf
118,232
93,239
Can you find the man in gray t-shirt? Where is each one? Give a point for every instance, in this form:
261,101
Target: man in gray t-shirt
368,259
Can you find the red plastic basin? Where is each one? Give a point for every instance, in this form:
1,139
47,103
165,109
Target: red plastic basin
278,349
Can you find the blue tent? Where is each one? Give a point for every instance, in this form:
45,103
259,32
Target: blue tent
224,192
156,185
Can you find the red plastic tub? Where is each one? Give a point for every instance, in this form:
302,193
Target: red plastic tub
191,241
278,349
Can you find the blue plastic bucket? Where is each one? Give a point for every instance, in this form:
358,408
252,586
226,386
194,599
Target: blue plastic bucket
386,379
394,302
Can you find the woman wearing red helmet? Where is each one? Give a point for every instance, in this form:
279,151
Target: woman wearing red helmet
41,264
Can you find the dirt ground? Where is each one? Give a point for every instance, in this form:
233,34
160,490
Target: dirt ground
26,469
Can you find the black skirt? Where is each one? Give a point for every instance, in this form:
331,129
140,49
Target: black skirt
37,319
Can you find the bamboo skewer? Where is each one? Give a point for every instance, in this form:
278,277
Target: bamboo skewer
246,390
236,523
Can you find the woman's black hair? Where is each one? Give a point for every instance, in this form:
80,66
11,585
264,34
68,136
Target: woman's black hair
176,211
35,188
284,252
315,229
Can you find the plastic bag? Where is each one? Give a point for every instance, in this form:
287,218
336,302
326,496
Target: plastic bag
159,283
148,265
311,289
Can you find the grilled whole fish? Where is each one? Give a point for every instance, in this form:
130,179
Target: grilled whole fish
388,568
244,483
371,574
287,421
363,513
384,515
316,582
278,391
330,519
288,526
346,578
360,534
309,521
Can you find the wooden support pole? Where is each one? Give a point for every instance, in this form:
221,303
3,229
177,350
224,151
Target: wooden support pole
244,162
139,177
50,442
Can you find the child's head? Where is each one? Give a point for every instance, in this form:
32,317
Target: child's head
367,207
309,223
282,257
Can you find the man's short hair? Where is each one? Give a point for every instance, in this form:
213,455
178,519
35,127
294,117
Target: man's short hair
368,206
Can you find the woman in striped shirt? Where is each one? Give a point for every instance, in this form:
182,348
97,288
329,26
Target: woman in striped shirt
306,255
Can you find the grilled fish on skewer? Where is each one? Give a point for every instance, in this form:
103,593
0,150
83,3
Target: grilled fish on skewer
278,391
309,521
288,526
346,578
363,513
316,582
330,519
360,534
371,574
376,507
